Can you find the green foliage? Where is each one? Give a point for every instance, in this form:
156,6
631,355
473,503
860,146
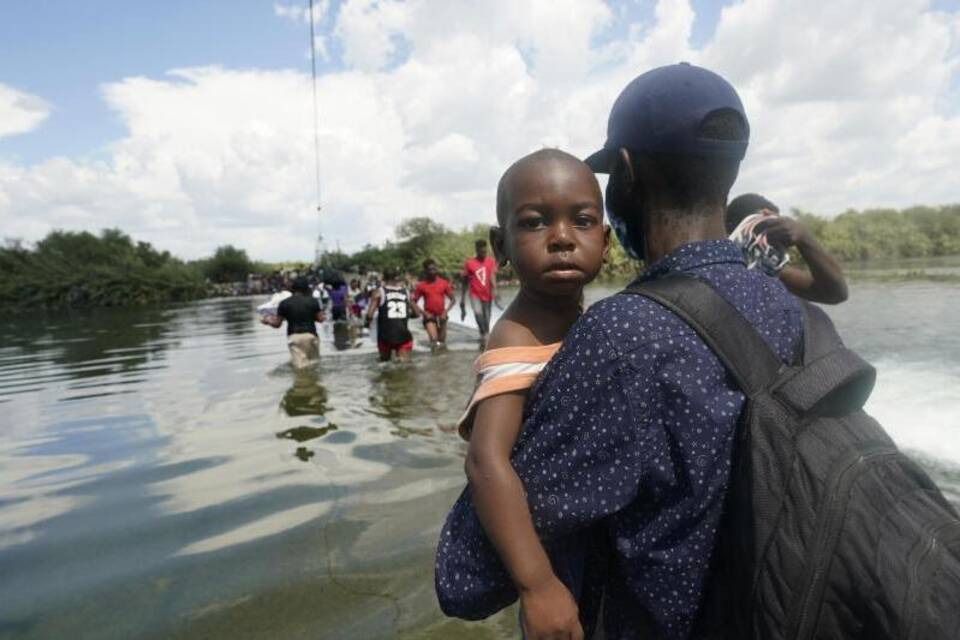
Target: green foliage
887,233
228,264
416,240
619,265
80,269
851,236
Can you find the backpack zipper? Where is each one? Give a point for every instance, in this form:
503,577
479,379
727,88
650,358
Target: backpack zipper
828,530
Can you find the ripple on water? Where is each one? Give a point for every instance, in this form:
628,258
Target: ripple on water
167,498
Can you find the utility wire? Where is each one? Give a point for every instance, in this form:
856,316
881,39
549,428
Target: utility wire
316,116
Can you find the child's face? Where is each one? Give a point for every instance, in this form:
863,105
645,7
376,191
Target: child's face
553,231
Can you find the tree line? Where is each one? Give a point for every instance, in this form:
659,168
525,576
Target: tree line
70,268
851,236
78,269
879,234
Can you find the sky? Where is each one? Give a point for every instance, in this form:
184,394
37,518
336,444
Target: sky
189,124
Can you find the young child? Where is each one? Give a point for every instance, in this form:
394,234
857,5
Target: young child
755,224
550,216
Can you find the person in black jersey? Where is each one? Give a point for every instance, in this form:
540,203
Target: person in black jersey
301,311
391,303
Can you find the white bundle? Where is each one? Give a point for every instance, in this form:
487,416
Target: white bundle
269,308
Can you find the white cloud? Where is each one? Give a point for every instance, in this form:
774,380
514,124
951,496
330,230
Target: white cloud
436,98
20,112
301,12
843,117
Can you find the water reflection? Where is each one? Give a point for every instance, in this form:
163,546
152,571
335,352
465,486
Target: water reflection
304,433
235,317
344,336
86,347
307,396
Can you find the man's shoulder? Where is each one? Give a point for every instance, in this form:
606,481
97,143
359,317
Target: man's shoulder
628,321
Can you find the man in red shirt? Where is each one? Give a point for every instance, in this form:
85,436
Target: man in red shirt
479,275
435,292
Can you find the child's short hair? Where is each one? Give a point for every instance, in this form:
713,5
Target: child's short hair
429,262
480,244
390,273
547,153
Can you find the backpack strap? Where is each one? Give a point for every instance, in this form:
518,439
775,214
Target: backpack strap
729,335
832,380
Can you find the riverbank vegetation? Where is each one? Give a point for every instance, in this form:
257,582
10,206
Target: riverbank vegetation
69,268
78,269
888,234
853,237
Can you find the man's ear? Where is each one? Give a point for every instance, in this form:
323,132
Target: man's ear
624,169
606,242
497,244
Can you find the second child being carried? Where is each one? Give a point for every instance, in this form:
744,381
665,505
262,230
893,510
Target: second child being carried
551,230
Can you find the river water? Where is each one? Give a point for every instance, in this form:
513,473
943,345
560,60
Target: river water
164,473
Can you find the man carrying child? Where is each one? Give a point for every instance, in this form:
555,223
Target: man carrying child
628,435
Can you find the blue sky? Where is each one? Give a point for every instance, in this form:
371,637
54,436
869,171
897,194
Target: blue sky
423,103
64,51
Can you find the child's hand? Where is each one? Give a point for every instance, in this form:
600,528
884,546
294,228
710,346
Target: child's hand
784,233
550,612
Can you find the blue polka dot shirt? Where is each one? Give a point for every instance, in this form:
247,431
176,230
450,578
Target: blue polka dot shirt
625,455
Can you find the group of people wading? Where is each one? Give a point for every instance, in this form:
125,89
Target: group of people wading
392,303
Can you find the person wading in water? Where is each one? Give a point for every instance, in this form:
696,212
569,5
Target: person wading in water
391,303
479,277
300,311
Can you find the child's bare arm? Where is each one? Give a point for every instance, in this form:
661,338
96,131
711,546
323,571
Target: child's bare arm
501,505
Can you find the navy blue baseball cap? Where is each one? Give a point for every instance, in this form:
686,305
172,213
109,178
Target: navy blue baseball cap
662,111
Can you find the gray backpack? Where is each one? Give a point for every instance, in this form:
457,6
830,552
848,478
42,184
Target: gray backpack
829,530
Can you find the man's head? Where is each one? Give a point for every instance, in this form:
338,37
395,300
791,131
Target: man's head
300,285
675,139
390,274
430,269
480,247
745,205
550,217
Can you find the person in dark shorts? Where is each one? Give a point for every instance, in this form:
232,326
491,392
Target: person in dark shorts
438,298
300,311
391,303
756,224
479,276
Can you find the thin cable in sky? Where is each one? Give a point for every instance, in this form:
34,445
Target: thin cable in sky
316,116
